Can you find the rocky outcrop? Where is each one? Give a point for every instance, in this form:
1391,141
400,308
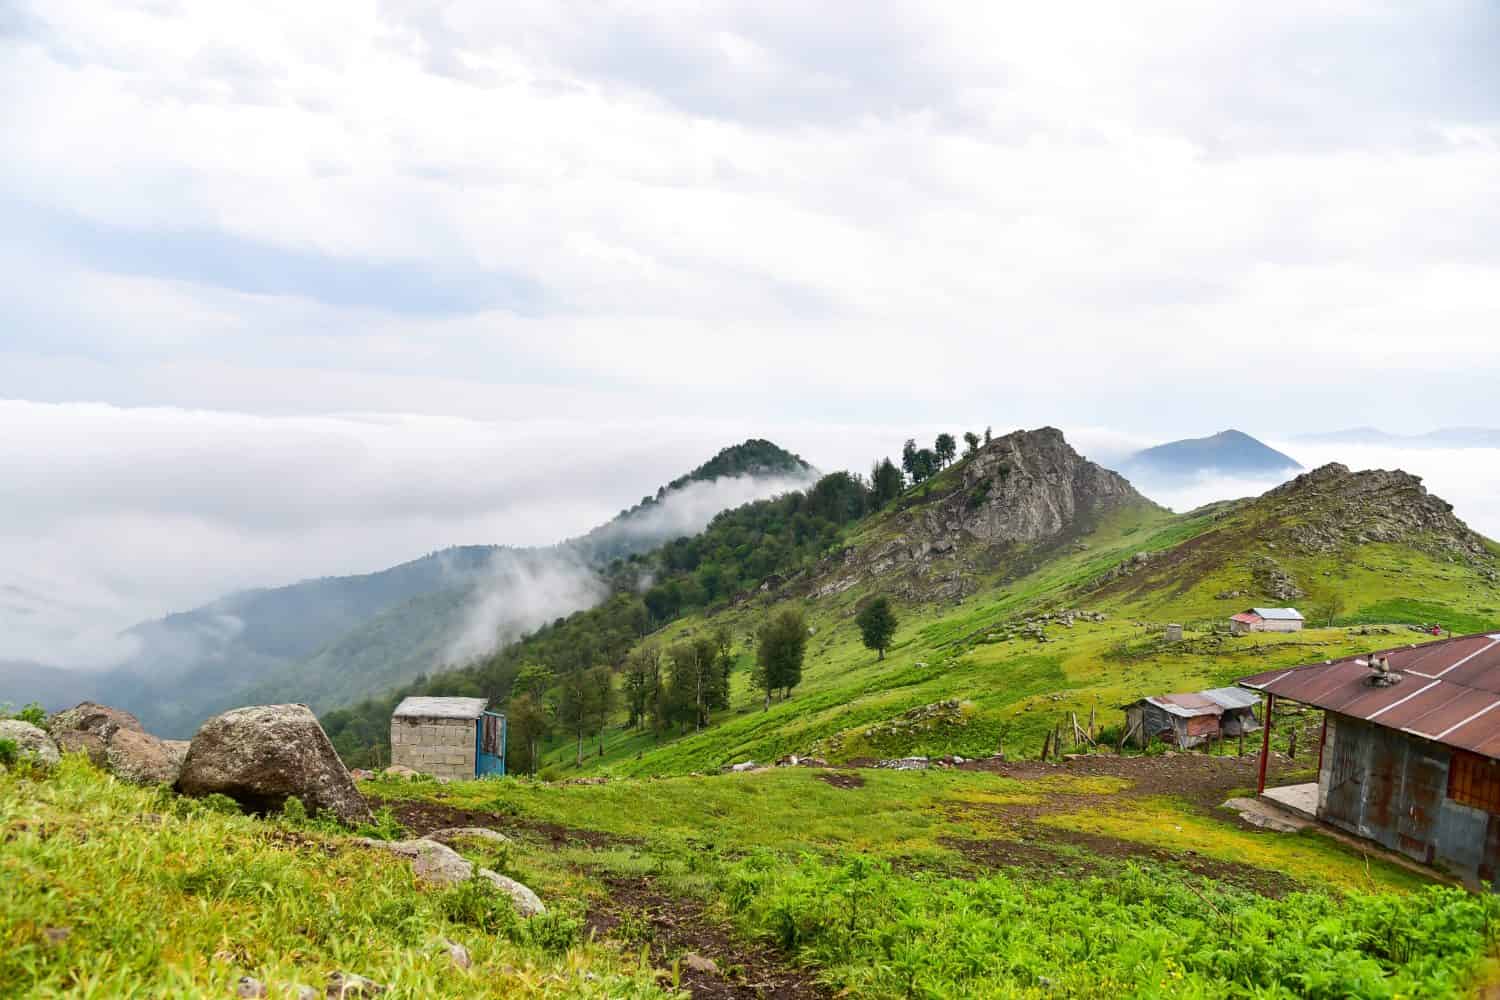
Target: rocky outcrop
1026,489
1333,507
262,755
115,740
32,743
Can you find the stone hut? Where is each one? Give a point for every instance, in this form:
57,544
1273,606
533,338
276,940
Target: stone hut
448,737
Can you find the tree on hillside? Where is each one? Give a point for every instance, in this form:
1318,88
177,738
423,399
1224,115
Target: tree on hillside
699,681
986,435
886,482
924,465
944,448
1328,609
971,442
528,721
533,679
877,624
642,683
779,649
605,698
909,458
578,709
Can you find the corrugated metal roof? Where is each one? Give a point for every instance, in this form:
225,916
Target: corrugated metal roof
440,708
1279,614
1449,690
1215,701
1248,617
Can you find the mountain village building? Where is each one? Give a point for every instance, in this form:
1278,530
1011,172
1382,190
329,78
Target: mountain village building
1266,620
1188,720
1410,749
455,738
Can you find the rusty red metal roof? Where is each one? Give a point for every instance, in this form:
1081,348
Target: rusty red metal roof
1248,617
1449,690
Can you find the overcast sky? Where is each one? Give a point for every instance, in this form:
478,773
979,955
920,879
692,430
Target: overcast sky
316,287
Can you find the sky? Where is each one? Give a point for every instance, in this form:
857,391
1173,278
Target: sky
299,289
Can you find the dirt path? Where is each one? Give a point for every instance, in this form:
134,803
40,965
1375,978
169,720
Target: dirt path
636,911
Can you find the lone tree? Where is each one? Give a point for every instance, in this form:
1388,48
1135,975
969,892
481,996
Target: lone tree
779,649
971,442
945,448
877,624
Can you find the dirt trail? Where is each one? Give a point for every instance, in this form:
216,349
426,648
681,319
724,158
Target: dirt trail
671,926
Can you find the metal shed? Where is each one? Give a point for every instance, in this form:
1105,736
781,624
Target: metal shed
448,737
1188,720
1410,750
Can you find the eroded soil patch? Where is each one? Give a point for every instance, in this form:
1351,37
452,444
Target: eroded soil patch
842,779
673,927
421,818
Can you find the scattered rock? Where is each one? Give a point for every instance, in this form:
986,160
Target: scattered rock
57,935
251,987
400,771
458,954
439,866
77,741
360,774
526,902
302,992
262,755
346,986
453,833
744,765
33,744
698,963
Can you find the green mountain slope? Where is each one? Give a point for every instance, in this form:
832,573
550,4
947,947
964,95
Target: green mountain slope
1022,634
331,640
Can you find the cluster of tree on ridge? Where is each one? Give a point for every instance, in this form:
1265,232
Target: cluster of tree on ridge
921,464
740,549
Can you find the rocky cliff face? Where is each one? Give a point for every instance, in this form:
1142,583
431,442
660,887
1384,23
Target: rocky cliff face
1332,507
1026,489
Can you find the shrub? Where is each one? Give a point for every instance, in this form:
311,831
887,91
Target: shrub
10,752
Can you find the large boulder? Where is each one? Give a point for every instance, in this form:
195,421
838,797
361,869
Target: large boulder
114,739
143,759
32,744
99,721
262,755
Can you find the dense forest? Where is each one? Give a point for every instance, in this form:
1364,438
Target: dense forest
739,550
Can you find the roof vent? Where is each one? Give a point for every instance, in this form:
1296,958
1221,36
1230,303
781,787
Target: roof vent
1381,674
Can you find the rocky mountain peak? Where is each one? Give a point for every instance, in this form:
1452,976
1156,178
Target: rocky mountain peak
1027,488
1332,506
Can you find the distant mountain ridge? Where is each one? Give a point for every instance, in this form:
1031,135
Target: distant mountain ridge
1443,437
326,640
1227,452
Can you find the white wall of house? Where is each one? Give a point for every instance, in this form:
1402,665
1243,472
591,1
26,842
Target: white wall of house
440,747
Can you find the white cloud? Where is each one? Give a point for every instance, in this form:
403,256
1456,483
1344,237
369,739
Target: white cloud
611,237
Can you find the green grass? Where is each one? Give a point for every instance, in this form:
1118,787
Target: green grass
868,886
154,896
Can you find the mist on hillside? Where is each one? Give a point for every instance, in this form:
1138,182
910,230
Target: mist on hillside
522,590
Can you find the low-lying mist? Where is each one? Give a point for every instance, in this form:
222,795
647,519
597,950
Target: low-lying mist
524,589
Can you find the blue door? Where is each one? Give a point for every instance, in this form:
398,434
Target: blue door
489,744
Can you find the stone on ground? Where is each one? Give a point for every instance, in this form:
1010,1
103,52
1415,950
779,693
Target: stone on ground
698,963
439,866
32,743
347,986
143,759
484,833
264,754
